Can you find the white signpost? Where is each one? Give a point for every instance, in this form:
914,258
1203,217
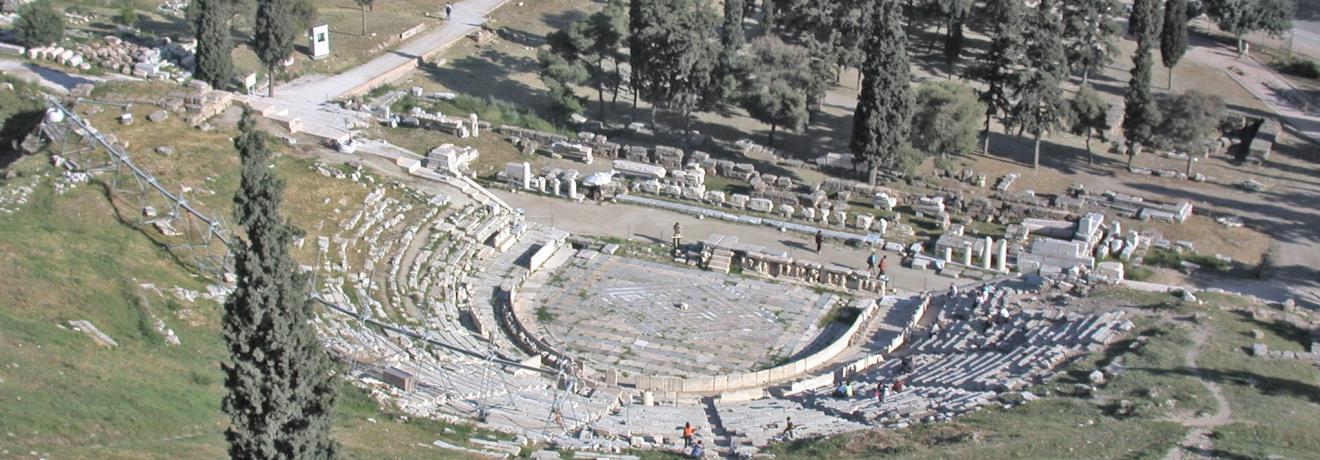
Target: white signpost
320,41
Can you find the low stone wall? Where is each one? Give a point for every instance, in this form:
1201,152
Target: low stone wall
723,383
506,311
772,266
385,78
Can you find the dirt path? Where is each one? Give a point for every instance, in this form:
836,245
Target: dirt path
1197,444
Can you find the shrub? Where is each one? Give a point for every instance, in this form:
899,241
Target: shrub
39,24
1301,67
128,16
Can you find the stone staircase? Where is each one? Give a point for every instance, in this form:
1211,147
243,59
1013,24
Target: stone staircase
721,260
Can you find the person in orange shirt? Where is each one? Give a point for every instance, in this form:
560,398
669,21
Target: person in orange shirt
687,434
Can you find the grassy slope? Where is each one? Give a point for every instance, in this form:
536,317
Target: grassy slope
67,257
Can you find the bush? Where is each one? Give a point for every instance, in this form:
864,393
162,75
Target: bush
1159,257
1301,67
128,16
38,24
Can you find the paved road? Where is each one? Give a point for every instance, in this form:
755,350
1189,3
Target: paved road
469,15
52,79
306,97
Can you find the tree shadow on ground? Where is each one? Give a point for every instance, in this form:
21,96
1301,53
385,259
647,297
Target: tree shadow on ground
1266,385
560,20
486,74
173,27
1283,329
15,128
1066,159
521,37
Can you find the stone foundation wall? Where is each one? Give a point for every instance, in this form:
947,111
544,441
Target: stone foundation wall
722,383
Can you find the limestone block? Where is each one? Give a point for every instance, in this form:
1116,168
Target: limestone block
715,196
738,200
760,205
864,221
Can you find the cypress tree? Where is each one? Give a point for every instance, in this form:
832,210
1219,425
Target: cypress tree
212,63
731,30
1173,37
1003,62
727,70
1040,98
280,388
768,16
884,110
1140,114
273,35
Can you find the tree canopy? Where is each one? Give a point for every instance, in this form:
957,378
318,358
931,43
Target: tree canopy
1002,64
281,388
1090,29
1040,96
1189,120
947,118
212,62
273,35
1140,113
774,88
1173,36
883,115
1087,115
38,24
674,50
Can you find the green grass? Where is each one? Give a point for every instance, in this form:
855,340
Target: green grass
496,111
839,313
1160,257
70,257
1275,403
544,314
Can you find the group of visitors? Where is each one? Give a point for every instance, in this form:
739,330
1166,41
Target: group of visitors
877,267
847,389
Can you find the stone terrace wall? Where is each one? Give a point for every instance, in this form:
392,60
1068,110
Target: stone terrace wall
721,383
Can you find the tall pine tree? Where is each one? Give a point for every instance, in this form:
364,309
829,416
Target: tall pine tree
1040,97
1173,36
212,62
1090,31
281,391
273,35
1140,114
1002,65
884,111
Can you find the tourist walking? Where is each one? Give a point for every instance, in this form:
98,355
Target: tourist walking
870,263
449,11
820,240
687,434
788,429
882,265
